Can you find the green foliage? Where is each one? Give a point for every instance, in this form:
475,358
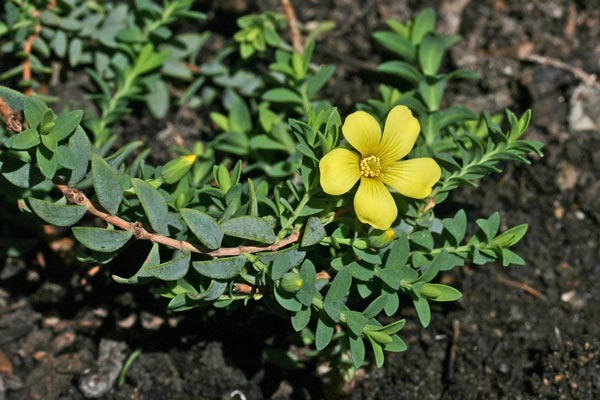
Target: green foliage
218,225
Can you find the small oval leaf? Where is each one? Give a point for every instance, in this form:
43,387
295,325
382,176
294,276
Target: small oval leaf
55,214
171,270
106,185
66,124
251,228
100,239
155,206
220,268
204,227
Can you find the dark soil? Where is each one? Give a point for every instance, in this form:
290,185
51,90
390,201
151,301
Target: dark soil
529,332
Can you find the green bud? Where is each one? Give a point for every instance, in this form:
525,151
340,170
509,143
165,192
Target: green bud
176,169
379,337
378,238
222,177
430,291
47,127
291,282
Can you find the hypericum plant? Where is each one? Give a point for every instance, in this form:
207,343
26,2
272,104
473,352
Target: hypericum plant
128,50
287,224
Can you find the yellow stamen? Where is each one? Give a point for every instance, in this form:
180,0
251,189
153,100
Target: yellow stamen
370,166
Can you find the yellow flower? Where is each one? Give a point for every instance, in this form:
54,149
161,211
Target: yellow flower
377,164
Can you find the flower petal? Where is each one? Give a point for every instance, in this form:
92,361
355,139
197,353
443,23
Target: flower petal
362,131
374,205
399,135
339,171
412,178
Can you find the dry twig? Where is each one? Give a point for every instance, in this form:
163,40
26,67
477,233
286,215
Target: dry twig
522,286
292,22
588,79
137,228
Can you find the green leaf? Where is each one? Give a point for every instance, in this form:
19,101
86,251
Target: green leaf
75,50
489,226
287,300
106,185
424,23
432,92
324,331
65,124
396,43
149,59
50,142
438,263
402,69
171,270
204,227
251,228
357,350
154,204
157,98
423,239
281,265
423,311
282,95
375,307
391,276
100,239
397,345
314,232
66,157
239,117
510,257
355,321
511,236
440,292
34,110
81,147
57,214
309,278
456,115
301,319
318,80
377,352
457,226
47,162
25,140
221,268
59,43
393,328
399,253
340,286
431,52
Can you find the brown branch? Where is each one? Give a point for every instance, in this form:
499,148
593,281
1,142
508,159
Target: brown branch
137,228
27,62
14,121
292,22
27,47
588,79
522,286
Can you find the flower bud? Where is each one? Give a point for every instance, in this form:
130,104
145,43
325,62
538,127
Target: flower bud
176,169
430,291
291,282
378,238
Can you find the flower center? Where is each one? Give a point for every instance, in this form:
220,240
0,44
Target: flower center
370,166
